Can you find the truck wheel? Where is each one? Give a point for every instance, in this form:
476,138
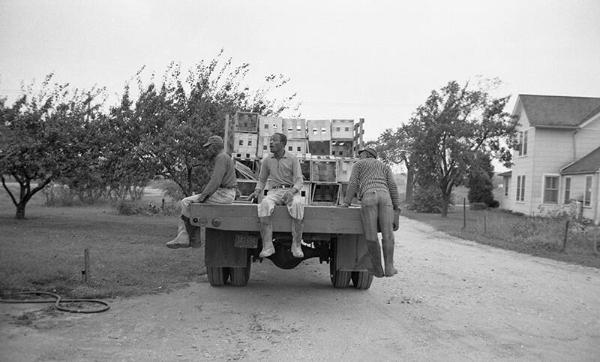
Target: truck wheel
339,279
240,276
362,279
217,276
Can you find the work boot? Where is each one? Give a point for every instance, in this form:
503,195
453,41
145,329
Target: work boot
375,254
388,258
266,233
297,228
182,240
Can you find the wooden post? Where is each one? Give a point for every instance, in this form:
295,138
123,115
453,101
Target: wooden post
464,213
564,245
86,265
226,134
485,222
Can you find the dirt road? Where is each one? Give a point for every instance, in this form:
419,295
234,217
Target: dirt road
452,300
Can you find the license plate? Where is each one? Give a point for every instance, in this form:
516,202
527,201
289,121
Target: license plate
248,241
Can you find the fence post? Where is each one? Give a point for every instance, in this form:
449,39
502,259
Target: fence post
485,222
86,265
564,245
464,213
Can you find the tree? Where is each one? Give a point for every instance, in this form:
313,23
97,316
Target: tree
392,147
47,133
479,180
448,131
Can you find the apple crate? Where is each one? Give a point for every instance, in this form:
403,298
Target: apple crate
263,145
344,169
319,130
342,128
245,145
246,122
323,170
321,148
296,146
342,148
267,126
294,128
325,194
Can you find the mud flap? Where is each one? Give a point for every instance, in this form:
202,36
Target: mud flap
352,253
220,250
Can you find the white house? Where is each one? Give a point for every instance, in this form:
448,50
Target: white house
557,164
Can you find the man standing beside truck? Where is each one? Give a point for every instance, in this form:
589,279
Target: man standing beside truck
380,205
282,171
219,190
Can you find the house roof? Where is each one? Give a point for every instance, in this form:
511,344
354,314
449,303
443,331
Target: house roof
558,111
505,174
589,163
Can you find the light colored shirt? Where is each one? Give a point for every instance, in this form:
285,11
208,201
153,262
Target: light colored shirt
223,175
371,174
284,171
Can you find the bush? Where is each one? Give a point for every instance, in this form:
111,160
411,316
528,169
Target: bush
427,199
478,206
58,195
169,188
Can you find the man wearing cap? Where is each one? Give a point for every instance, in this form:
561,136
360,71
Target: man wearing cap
281,171
219,190
380,205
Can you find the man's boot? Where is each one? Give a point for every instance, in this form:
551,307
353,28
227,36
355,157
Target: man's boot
297,228
182,240
375,254
388,258
266,233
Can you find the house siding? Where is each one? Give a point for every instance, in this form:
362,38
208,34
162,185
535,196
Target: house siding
522,166
587,139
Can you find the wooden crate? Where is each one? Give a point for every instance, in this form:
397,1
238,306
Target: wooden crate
319,130
246,187
325,193
269,125
245,145
344,169
263,145
296,146
323,170
246,122
305,167
321,148
342,148
294,128
342,128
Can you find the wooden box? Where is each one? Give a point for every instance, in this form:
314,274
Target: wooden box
342,128
318,130
325,194
246,122
323,170
321,148
263,145
342,148
294,128
296,146
245,145
344,169
269,125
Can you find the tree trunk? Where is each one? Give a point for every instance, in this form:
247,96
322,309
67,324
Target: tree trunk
410,177
21,210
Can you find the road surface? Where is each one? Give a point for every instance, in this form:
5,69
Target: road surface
452,300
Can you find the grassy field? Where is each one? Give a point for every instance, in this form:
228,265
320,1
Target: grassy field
127,253
532,235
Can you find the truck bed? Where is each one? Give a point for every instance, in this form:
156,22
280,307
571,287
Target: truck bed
243,217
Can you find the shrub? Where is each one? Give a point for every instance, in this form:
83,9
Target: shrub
478,206
427,199
58,195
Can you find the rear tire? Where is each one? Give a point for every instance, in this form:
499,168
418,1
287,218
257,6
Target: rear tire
339,279
362,279
217,276
240,276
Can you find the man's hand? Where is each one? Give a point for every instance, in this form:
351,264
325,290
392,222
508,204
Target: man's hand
345,205
288,197
396,222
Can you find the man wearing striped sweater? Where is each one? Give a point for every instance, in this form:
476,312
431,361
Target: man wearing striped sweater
374,183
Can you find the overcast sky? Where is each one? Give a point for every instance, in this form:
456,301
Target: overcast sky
346,59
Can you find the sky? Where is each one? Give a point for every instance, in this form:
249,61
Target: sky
377,60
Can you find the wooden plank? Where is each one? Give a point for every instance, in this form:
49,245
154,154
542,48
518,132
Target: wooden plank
243,217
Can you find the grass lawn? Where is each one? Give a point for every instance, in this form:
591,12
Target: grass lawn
532,235
127,253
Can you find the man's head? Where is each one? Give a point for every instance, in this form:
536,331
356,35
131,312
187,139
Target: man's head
277,143
367,153
214,145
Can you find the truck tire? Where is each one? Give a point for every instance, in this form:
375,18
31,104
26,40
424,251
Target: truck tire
339,279
240,276
217,276
362,279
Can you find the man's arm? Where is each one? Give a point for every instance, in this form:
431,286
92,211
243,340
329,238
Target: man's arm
215,179
352,184
393,188
262,178
297,175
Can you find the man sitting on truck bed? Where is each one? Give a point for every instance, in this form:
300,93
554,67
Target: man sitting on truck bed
282,171
220,189
380,205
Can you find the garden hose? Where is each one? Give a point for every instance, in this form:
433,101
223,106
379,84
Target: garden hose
58,300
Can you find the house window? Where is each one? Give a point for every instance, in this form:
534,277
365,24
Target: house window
551,189
567,190
587,195
525,143
520,143
521,188
518,188
506,183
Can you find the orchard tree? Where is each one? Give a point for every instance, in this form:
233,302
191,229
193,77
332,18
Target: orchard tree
393,148
47,134
448,131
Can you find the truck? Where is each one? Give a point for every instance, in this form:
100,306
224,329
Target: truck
230,234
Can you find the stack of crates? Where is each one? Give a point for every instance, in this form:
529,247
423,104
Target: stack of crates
342,137
267,126
245,136
295,130
319,137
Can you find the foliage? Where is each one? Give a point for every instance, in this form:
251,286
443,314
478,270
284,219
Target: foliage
447,132
46,137
479,180
427,199
392,148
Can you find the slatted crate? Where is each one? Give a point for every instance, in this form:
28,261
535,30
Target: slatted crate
321,148
323,170
342,148
245,145
325,193
297,147
246,122
319,130
269,125
342,128
246,187
294,128
344,169
263,145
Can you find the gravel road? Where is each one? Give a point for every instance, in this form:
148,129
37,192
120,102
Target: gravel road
452,300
